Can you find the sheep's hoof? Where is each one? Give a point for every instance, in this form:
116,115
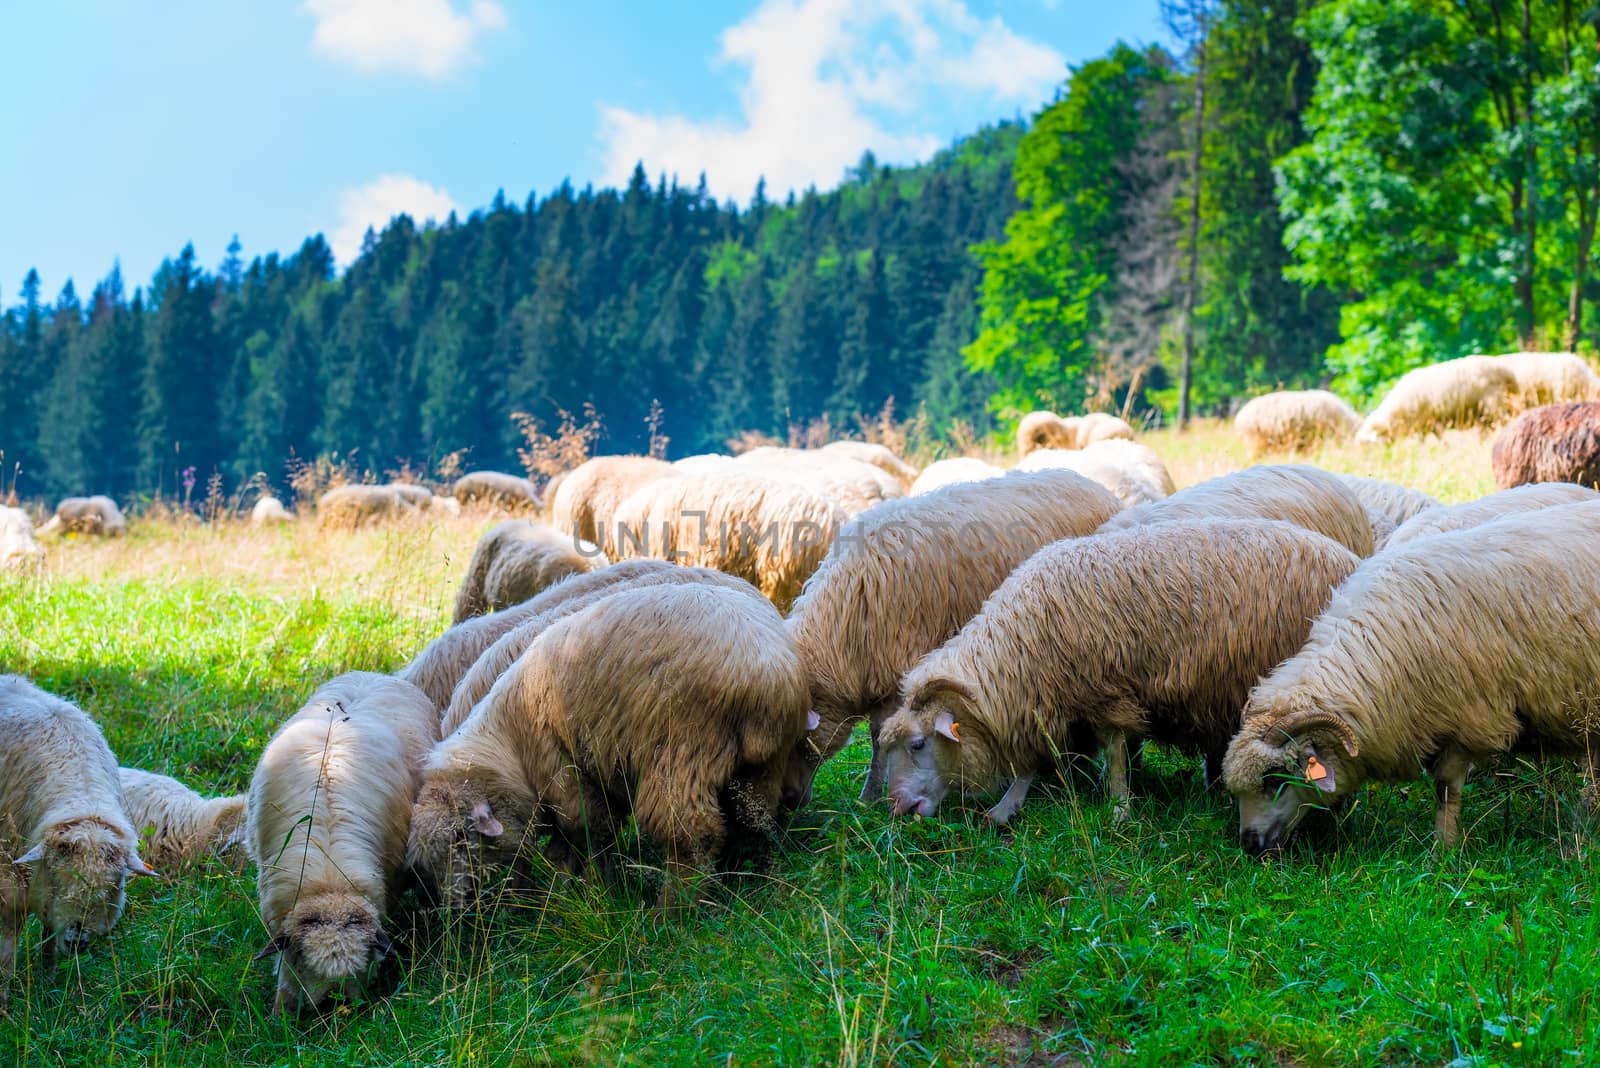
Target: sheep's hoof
1000,815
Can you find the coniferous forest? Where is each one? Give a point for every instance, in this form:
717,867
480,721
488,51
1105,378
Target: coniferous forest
1302,193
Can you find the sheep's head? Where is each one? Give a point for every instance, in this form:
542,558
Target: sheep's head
922,746
75,876
329,943
454,835
1279,770
807,756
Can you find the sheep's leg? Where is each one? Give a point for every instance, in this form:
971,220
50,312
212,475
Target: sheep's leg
1450,770
1116,746
1214,769
872,790
1010,801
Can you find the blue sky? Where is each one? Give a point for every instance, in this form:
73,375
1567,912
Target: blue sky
134,128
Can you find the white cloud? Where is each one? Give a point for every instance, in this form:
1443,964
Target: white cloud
826,80
374,204
427,37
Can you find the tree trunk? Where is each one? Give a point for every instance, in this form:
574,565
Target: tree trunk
1530,263
1192,284
1587,210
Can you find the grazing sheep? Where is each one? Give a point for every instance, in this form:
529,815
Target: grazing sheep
513,562
702,462
1438,655
87,515
1290,420
901,579
496,489
676,703
183,826
587,498
1131,471
1549,378
269,510
1157,631
329,812
952,471
1555,443
1530,498
1047,430
18,549
66,846
1474,391
770,531
438,668
349,507
413,494
496,660
1306,496
880,456
851,485
446,505
1388,505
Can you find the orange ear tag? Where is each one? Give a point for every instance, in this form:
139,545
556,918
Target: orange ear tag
955,730
1315,771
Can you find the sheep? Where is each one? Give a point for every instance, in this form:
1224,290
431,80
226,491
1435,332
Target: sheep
1157,631
352,506
419,497
496,489
18,549
852,485
588,496
1437,655
768,530
901,579
1290,420
1388,505
1530,498
1473,391
183,826
326,824
950,472
66,846
701,463
1131,471
1047,430
513,562
87,515
440,666
677,703
269,510
880,456
1306,496
1549,378
497,659
442,505
1555,443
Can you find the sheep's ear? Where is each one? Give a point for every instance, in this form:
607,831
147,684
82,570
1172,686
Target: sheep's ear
813,721
944,723
32,856
1320,773
275,945
137,866
942,687
484,822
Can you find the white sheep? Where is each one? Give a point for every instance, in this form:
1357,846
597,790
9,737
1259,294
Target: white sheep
1133,472
1047,430
182,826
1530,498
950,472
586,498
1290,420
18,549
1474,391
1549,378
880,456
1434,656
516,560
269,510
329,812
66,846
1388,504
87,515
496,489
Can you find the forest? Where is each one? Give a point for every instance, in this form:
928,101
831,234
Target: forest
1304,192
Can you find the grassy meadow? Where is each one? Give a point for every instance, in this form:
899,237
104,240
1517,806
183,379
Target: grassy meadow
1061,940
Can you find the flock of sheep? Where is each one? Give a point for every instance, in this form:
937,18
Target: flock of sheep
684,644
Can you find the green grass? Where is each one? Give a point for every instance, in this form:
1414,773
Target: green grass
863,941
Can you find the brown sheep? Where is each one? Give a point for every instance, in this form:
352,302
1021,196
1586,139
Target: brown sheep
1307,496
513,562
1555,443
678,704
1158,631
1436,656
902,578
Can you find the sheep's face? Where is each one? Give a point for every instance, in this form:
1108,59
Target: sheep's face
1277,785
76,877
807,756
921,747
454,833
329,944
